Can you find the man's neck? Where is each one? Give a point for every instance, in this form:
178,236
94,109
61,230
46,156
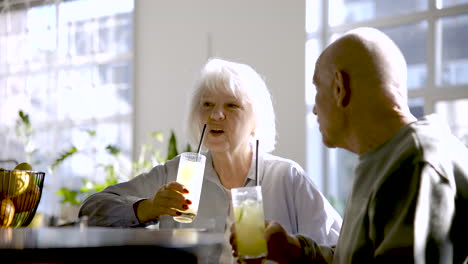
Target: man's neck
370,134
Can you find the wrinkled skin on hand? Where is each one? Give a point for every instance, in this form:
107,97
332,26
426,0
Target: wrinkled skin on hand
166,201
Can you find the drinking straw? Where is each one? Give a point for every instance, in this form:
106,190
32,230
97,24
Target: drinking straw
201,139
256,163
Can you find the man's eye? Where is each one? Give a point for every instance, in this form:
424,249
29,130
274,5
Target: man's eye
232,105
207,104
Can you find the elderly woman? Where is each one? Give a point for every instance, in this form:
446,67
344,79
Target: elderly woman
235,104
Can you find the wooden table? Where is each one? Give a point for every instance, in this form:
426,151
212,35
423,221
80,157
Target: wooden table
108,245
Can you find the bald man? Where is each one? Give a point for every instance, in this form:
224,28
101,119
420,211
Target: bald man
409,198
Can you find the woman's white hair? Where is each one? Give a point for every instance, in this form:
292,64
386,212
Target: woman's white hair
243,82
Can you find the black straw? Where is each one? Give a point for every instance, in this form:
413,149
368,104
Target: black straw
256,163
201,139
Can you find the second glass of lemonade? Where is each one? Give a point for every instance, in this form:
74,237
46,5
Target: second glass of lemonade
249,219
190,174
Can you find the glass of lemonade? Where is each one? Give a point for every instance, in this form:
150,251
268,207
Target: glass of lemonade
190,174
249,219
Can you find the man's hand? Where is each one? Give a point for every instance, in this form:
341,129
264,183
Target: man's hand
283,248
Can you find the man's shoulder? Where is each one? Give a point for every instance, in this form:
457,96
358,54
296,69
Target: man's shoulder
436,142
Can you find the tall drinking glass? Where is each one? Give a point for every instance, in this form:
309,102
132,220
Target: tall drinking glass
249,219
190,174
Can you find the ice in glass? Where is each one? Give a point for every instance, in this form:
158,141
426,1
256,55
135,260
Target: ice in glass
249,219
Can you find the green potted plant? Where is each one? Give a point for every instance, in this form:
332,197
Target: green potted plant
71,198
149,157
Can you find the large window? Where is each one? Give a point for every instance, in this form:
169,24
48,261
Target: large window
431,34
68,65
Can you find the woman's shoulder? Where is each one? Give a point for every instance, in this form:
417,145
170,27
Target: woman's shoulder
280,172
165,166
282,164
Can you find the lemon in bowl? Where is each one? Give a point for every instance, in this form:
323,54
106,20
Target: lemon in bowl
20,194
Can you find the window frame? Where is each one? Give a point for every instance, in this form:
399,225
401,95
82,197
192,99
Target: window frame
322,162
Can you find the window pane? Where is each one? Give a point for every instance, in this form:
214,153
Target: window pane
92,27
41,37
412,40
104,89
455,114
313,17
448,3
93,149
68,65
42,91
115,34
454,51
416,106
345,11
345,165
312,53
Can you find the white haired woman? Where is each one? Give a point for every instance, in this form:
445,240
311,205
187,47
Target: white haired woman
235,104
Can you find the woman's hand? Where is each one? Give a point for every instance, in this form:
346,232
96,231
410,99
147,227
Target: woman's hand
166,201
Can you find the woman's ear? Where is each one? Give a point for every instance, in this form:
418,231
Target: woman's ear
342,89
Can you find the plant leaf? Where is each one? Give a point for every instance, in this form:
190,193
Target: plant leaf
113,150
158,135
172,147
66,154
24,117
68,196
90,132
188,148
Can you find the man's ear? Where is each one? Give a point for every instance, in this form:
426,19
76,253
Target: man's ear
342,89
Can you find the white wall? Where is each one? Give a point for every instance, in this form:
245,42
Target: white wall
173,39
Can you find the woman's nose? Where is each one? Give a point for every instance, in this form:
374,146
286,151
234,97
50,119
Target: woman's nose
314,110
217,114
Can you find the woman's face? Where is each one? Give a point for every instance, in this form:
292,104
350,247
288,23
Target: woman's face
230,122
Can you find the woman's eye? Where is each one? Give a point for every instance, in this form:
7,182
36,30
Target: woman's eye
232,105
207,104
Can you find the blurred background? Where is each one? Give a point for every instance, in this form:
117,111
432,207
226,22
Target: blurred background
91,88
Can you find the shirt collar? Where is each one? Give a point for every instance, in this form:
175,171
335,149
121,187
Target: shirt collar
251,177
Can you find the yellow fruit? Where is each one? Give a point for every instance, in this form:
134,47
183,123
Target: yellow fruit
27,200
7,212
23,166
13,183
37,220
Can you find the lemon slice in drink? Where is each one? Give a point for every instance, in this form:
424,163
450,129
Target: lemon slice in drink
238,212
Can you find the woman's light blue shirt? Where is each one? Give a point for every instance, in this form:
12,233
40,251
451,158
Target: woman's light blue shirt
289,197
